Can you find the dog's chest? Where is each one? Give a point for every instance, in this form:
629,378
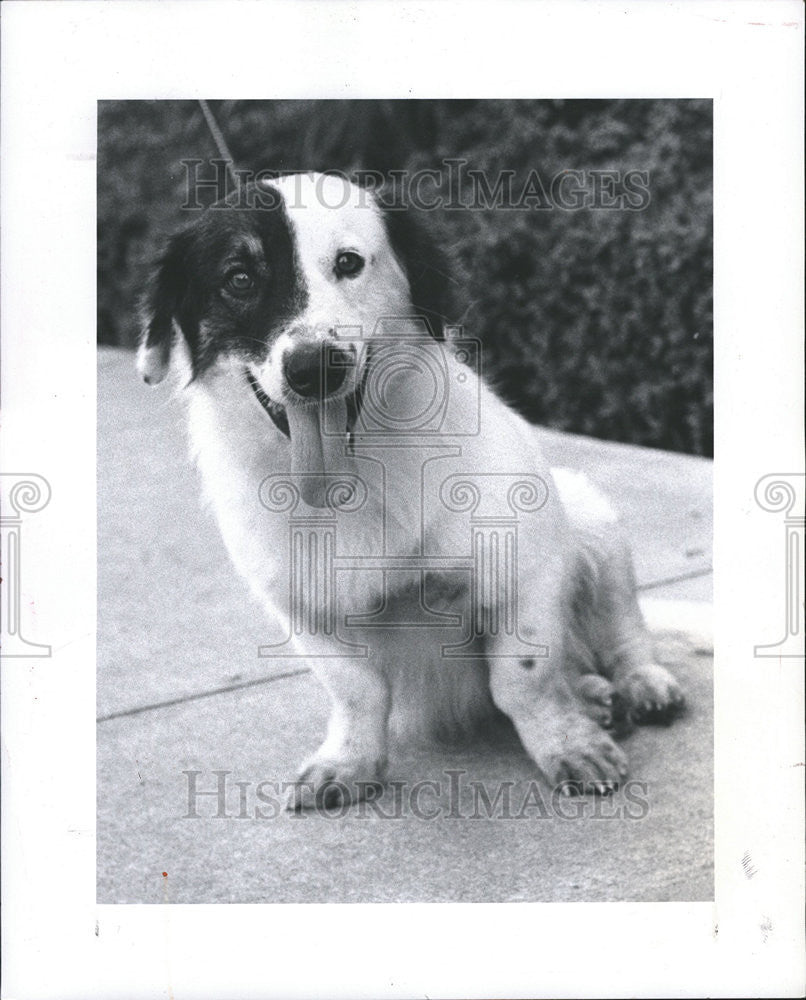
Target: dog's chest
381,545
382,533
402,513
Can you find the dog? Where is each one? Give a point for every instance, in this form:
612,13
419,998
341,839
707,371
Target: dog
395,518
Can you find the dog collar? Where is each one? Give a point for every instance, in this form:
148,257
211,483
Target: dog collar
275,410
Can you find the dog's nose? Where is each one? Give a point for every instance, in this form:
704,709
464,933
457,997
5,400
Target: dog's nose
306,365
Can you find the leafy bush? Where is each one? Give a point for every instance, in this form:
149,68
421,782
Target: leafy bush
595,321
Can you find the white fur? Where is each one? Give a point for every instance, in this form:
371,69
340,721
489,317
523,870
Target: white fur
581,499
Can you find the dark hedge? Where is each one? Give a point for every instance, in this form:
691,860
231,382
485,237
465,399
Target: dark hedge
594,320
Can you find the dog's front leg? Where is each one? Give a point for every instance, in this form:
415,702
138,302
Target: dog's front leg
352,758
645,689
570,749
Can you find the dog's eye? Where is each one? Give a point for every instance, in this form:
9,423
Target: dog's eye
349,264
239,281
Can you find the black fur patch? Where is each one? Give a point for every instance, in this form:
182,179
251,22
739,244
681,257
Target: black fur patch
427,268
191,285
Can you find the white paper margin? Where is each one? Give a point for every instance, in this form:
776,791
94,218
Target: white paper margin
58,60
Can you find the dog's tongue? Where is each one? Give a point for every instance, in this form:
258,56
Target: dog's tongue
315,455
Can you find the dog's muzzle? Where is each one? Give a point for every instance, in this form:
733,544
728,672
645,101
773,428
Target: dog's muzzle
317,370
314,371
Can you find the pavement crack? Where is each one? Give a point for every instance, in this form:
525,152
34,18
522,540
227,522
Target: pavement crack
126,712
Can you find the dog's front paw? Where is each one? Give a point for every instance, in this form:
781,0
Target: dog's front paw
330,784
652,695
580,758
596,695
603,703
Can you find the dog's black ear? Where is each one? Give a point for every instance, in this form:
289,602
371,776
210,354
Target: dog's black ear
160,307
427,268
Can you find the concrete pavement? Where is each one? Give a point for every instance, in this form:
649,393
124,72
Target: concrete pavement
181,689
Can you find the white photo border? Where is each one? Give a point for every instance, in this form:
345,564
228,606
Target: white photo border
58,60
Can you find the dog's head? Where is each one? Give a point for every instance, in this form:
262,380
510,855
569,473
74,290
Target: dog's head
289,279
288,282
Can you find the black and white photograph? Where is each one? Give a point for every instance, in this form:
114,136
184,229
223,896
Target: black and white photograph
434,582
401,493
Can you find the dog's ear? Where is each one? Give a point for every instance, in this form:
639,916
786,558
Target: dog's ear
427,268
161,304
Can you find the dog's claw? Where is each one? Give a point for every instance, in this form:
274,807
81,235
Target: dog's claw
652,695
588,761
605,787
569,788
596,694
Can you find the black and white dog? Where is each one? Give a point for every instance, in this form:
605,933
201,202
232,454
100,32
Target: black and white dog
395,518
